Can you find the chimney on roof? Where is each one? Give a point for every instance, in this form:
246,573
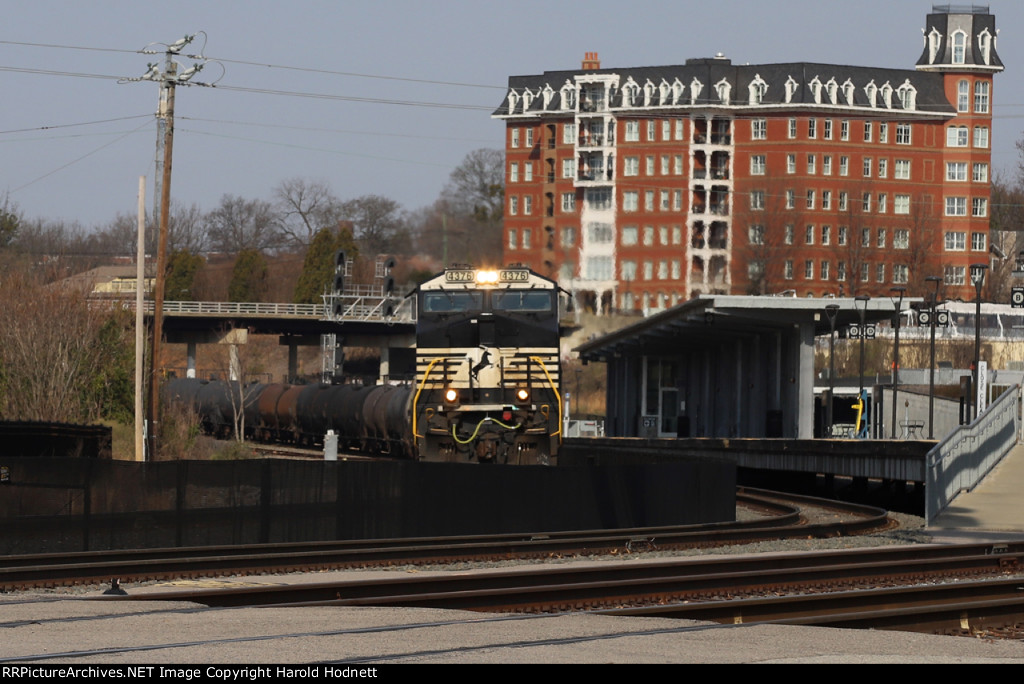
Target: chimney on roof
590,61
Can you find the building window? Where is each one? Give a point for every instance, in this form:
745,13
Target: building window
529,137
665,164
826,200
599,268
980,174
666,130
981,90
880,273
955,275
867,167
528,205
600,233
663,235
979,207
790,199
513,173
899,274
880,238
598,198
629,236
963,96
979,242
956,241
568,237
569,134
981,137
809,235
787,270
812,128
630,200
827,133
902,170
865,272
882,202
632,131
791,163
677,200
678,165
665,195
569,202
526,238
959,47
628,270
649,200
809,270
956,136
826,164
568,168
631,166
868,130
865,201
865,237
956,171
787,234
513,205
527,171
648,270
883,168
883,132
824,270
841,271
648,236
513,239
844,130
651,128
903,134
757,165
759,129
792,129
844,166
956,206
679,129
649,165
812,164
844,199
901,239
515,137
757,200
810,199
901,204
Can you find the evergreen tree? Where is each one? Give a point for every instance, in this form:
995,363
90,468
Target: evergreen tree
318,268
249,277
181,275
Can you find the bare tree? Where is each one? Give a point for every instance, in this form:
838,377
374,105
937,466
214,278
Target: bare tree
306,207
767,232
380,226
238,224
477,186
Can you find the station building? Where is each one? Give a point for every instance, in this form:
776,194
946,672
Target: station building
640,188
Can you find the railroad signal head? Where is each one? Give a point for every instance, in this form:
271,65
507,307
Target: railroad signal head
1017,298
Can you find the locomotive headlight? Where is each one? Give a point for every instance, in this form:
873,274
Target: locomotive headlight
451,395
522,395
486,277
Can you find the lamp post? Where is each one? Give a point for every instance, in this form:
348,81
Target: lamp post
896,356
978,278
831,310
863,299
935,280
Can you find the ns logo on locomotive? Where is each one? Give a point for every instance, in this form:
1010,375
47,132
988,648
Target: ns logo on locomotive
487,367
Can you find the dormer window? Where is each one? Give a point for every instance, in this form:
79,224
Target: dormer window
527,99
934,44
871,90
630,92
833,90
758,88
663,92
677,90
548,94
959,47
848,91
816,90
791,88
908,96
513,100
648,93
886,91
723,88
568,96
695,88
985,45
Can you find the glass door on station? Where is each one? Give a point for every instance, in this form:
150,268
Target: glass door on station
661,394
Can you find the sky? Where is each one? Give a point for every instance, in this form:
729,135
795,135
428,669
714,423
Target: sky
384,97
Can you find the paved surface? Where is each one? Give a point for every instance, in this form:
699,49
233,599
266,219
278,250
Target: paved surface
996,504
88,632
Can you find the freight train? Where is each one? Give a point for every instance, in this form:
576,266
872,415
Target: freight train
486,386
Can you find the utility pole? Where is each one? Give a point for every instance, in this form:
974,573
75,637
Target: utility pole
167,79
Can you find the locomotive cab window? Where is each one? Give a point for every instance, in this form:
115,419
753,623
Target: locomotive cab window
451,302
521,301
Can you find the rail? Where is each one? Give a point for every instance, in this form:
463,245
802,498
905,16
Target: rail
961,460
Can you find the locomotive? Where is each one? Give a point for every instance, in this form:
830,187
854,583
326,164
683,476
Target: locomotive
486,386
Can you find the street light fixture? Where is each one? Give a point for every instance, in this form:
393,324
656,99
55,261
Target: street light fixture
896,356
978,278
862,310
831,310
935,280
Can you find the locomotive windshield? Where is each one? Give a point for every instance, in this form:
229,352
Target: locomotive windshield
448,301
526,301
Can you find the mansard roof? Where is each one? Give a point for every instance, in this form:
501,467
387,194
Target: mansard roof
693,85
979,29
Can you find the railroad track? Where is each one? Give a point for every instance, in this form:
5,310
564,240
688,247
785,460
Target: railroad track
781,517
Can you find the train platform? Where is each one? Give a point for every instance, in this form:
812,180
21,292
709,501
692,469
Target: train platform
994,507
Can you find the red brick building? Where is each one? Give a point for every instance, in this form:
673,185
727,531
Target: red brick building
642,187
